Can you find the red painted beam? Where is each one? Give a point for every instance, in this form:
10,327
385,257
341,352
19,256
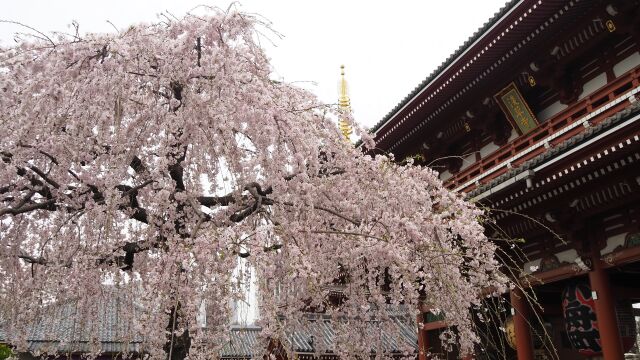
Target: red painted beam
440,324
621,257
560,273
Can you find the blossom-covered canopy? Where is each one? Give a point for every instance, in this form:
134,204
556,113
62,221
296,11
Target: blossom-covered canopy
152,159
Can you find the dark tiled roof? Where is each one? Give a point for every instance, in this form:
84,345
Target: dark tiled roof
484,28
322,331
244,342
560,148
317,336
63,329
108,329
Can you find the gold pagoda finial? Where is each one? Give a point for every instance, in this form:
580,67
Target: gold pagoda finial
345,105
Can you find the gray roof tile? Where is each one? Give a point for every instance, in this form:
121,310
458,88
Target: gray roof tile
105,326
62,329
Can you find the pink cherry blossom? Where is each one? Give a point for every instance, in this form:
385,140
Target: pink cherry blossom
150,160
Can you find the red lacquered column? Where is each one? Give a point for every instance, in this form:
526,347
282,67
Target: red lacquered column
423,340
605,311
524,344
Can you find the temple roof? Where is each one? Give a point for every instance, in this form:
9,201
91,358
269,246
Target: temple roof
450,60
496,53
317,337
63,329
108,329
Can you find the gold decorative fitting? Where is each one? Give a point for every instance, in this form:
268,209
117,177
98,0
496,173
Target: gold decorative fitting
345,128
532,81
609,259
344,103
467,127
610,26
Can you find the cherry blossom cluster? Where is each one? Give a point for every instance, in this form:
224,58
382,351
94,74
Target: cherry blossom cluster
151,160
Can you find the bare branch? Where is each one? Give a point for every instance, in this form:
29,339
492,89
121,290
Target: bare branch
42,36
330,211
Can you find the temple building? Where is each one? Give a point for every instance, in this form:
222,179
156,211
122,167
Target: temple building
536,119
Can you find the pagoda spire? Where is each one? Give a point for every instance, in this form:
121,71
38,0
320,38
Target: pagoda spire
344,104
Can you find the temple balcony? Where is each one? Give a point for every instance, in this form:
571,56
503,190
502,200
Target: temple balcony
575,119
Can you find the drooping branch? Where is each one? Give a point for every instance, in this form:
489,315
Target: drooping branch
330,211
126,261
199,49
130,249
176,172
348,233
46,205
32,260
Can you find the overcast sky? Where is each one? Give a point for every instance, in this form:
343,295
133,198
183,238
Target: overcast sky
388,48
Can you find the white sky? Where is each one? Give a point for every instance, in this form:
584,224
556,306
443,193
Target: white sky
388,48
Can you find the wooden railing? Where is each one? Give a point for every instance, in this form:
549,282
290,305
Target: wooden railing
571,121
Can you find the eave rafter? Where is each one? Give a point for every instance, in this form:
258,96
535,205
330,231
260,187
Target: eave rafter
522,24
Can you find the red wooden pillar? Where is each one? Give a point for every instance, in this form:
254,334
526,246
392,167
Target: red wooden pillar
423,339
524,343
604,300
